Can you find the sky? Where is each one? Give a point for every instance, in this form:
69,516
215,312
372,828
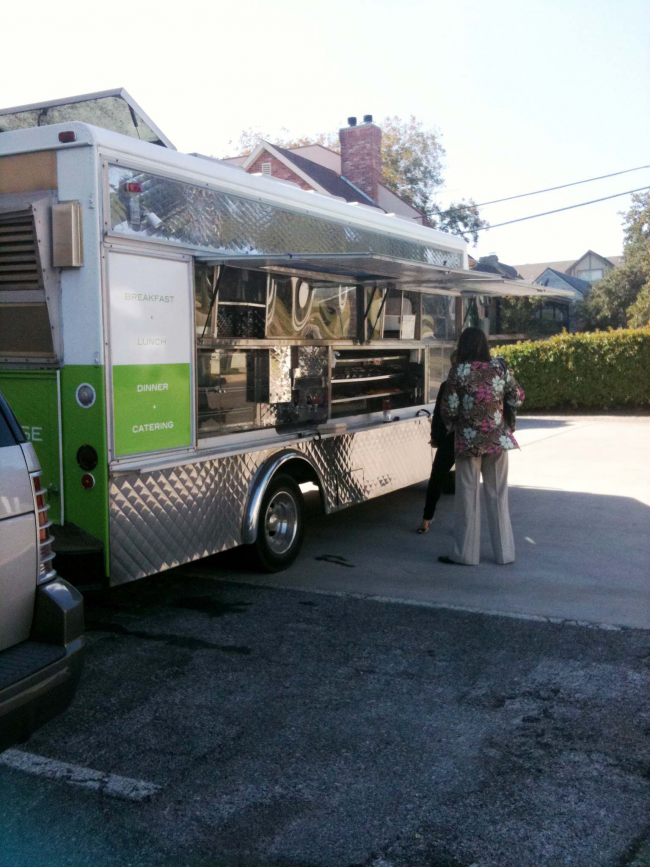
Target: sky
526,94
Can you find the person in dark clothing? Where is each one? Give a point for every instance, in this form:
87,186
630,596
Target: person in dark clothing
443,462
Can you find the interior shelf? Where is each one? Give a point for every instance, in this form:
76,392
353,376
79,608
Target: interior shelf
363,382
351,379
365,396
371,360
240,304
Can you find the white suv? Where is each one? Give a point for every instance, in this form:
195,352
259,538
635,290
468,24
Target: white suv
41,616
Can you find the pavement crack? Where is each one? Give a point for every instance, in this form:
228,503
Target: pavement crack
336,560
184,641
211,607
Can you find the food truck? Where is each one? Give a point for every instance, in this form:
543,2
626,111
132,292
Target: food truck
189,347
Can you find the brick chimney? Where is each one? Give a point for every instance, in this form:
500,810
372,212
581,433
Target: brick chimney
361,155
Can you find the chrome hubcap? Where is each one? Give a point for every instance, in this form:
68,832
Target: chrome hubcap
281,522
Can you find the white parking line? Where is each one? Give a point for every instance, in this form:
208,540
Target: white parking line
95,781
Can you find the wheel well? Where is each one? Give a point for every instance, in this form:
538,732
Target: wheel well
302,472
291,463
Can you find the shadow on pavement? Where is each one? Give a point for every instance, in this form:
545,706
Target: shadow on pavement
580,556
530,422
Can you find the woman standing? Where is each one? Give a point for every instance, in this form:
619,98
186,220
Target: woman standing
477,389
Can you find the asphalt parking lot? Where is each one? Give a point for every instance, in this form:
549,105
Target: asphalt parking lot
285,728
309,720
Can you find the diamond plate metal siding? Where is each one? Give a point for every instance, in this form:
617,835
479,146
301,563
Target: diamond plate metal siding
167,517
360,466
313,361
221,223
279,374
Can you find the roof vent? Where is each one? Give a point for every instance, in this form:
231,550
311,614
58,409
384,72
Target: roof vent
352,121
367,118
266,168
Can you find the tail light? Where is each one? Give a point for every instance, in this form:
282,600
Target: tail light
45,552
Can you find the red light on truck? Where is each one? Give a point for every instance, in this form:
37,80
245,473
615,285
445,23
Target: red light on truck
88,481
133,188
67,136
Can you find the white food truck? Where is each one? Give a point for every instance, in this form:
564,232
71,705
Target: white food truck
186,345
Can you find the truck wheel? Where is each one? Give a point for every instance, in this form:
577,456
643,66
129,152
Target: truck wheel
281,525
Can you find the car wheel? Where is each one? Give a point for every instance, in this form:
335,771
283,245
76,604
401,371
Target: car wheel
281,525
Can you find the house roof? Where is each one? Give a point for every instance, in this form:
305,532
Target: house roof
235,161
581,286
320,154
316,144
317,153
329,180
533,270
391,202
491,265
592,253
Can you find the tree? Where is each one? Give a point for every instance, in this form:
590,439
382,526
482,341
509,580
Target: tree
412,166
411,157
518,314
411,161
252,136
460,218
638,314
526,316
622,297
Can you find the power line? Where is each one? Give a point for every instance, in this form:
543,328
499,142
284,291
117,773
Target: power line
546,190
557,210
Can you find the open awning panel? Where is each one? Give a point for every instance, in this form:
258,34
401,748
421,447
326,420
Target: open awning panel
372,268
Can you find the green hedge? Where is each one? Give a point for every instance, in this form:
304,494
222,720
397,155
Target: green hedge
593,371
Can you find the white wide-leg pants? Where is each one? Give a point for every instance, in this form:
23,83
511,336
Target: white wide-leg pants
467,516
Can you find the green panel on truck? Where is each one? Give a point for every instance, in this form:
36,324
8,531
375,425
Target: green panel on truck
82,426
33,396
152,407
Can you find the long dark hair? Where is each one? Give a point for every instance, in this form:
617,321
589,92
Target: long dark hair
473,346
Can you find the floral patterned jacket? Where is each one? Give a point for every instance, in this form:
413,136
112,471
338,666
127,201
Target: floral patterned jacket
473,407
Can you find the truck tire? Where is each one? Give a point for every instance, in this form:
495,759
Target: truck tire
281,526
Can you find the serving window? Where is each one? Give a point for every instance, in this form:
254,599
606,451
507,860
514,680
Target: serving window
310,309
439,365
438,317
256,388
230,302
275,379
231,388
402,316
